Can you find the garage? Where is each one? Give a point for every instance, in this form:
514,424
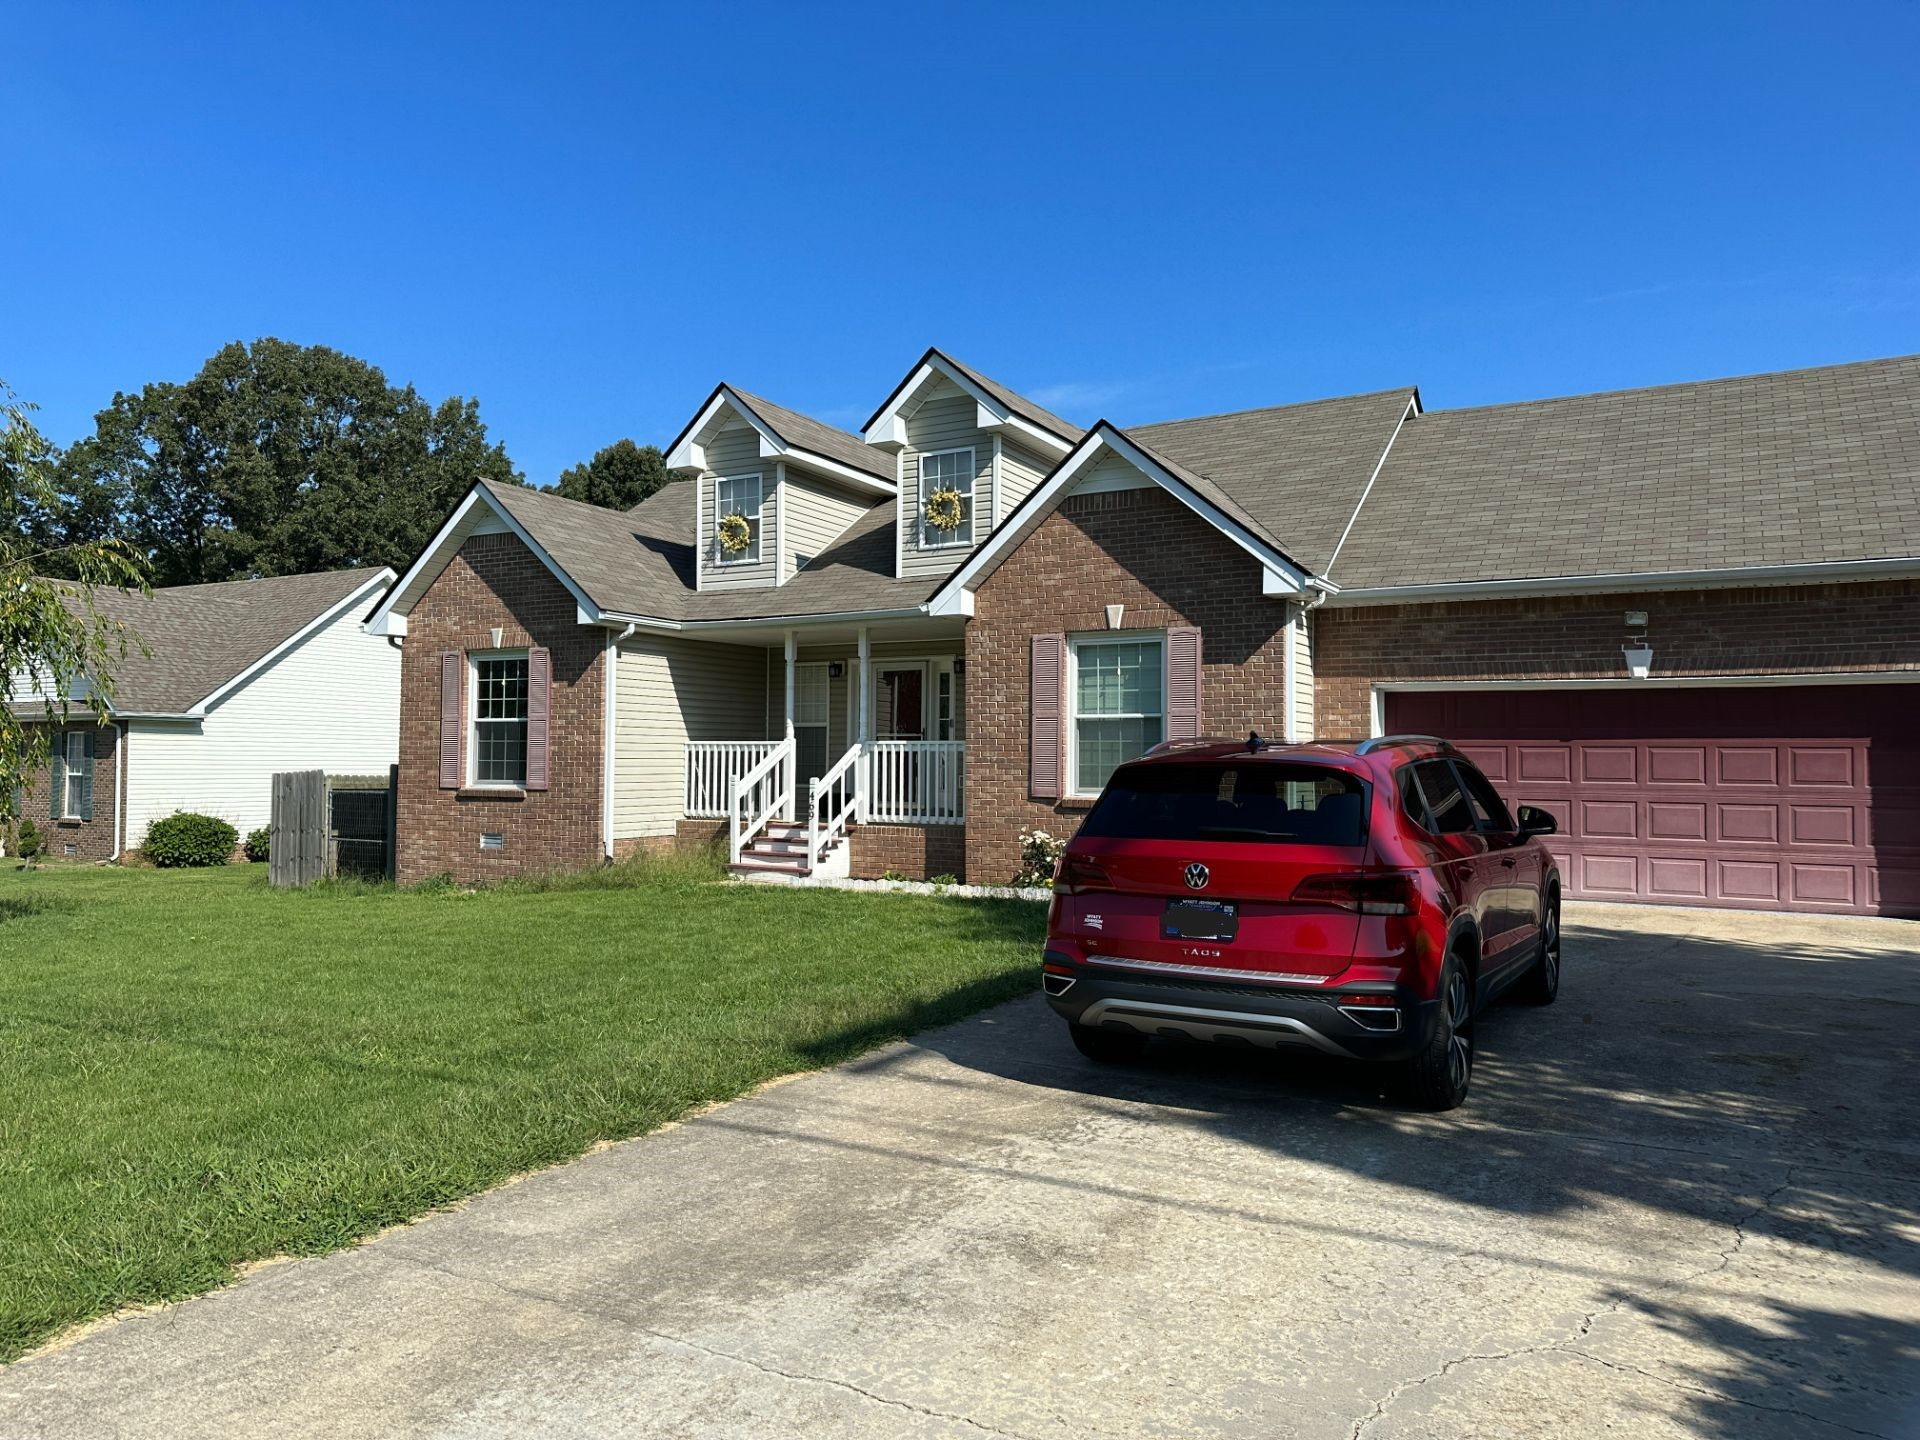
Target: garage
1795,797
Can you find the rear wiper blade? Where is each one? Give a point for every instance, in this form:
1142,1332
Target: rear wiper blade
1247,832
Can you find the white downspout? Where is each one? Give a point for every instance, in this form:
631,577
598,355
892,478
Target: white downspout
120,793
609,733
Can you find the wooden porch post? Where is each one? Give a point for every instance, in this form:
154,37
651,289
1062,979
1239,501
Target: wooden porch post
866,692
790,668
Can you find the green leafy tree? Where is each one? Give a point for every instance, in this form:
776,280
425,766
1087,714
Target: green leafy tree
55,642
276,459
618,477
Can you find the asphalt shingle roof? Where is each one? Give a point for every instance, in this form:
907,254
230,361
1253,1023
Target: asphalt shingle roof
1790,468
201,636
806,433
1295,471
1016,402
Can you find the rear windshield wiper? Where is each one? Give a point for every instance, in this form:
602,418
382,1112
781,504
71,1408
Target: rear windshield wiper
1247,832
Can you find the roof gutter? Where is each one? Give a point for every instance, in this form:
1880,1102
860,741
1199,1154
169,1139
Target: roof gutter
838,617
1820,572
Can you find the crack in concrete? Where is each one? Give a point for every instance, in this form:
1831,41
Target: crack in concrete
632,1322
1707,1392
1566,1345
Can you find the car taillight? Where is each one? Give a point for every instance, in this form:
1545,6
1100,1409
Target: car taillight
1077,873
1375,894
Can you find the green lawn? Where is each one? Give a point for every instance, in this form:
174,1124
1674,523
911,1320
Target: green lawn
197,1071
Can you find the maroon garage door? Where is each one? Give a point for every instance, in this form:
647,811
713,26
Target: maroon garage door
1788,798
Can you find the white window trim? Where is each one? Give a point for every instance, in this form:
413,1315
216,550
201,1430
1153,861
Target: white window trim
474,657
751,556
1071,790
973,506
69,742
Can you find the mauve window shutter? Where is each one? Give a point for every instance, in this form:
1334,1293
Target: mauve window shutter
86,773
1046,754
1183,682
539,680
453,667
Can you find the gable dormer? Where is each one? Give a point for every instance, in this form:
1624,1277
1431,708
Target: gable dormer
773,488
965,446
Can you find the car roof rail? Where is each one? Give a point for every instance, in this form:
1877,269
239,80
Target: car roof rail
1192,743
1380,742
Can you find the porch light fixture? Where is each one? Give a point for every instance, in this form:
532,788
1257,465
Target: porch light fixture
1639,654
836,669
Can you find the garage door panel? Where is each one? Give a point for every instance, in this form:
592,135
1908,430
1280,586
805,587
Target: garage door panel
1750,823
1770,797
1609,876
1676,820
1608,764
1820,825
1677,878
1542,764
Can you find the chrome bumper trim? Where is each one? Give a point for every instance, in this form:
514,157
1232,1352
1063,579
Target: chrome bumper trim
1207,972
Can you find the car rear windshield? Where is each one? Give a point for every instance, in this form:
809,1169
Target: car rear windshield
1271,802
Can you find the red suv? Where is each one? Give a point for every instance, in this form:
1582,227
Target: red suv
1366,899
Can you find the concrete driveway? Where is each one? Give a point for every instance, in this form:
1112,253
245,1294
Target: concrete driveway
1684,1201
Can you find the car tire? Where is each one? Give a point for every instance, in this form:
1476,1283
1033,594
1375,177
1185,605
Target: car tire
1439,1076
1541,983
1109,1047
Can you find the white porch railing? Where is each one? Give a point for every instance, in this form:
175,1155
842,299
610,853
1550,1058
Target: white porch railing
832,802
757,796
713,766
915,782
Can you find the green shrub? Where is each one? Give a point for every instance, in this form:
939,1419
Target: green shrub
259,845
184,838
28,842
1039,857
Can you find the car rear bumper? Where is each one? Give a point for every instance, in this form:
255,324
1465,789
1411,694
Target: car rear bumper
1239,1012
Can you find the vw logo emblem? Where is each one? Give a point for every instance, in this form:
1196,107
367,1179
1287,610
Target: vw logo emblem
1196,876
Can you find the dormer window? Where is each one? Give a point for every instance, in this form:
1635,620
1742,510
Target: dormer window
737,498
947,474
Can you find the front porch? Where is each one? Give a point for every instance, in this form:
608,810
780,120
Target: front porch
859,732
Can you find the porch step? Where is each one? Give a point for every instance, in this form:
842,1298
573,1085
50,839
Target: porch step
750,863
781,849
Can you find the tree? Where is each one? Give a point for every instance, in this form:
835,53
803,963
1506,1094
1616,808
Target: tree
276,459
55,643
618,477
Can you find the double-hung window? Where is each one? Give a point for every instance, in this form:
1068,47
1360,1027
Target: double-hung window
1118,692
738,495
76,783
499,747
947,470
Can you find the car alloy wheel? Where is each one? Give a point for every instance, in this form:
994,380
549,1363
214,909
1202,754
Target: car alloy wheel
1550,950
1459,1023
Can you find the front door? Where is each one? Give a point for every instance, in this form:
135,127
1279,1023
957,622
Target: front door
900,701
810,723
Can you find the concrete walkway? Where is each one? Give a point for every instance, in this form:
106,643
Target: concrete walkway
1684,1201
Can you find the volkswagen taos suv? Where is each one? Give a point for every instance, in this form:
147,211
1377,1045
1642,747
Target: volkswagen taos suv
1365,899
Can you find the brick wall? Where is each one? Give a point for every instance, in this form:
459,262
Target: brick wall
91,839
1784,629
1139,548
497,581
919,852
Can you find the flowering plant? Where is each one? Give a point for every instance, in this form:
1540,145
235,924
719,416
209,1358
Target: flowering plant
1039,857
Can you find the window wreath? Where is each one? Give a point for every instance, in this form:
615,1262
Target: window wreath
944,510
735,534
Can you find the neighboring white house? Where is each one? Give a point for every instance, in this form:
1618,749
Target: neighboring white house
237,682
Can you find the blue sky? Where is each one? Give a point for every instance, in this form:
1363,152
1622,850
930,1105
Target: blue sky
585,217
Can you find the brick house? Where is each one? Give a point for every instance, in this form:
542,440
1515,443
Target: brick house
1683,619
221,686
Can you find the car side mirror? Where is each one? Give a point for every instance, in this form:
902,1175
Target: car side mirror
1535,821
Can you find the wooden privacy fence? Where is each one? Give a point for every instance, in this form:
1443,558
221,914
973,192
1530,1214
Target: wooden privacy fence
331,825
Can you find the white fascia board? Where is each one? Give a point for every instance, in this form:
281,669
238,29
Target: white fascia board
1031,435
1819,572
755,622
437,554
1413,409
382,576
889,427
847,474
691,452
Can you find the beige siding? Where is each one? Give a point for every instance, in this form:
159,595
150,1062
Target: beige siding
668,691
1020,471
814,514
944,421
841,692
1303,676
735,451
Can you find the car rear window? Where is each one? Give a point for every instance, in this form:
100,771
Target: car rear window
1269,802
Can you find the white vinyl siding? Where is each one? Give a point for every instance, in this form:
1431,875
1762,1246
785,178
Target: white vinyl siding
814,515
946,420
1303,676
332,703
668,691
1020,471
735,451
